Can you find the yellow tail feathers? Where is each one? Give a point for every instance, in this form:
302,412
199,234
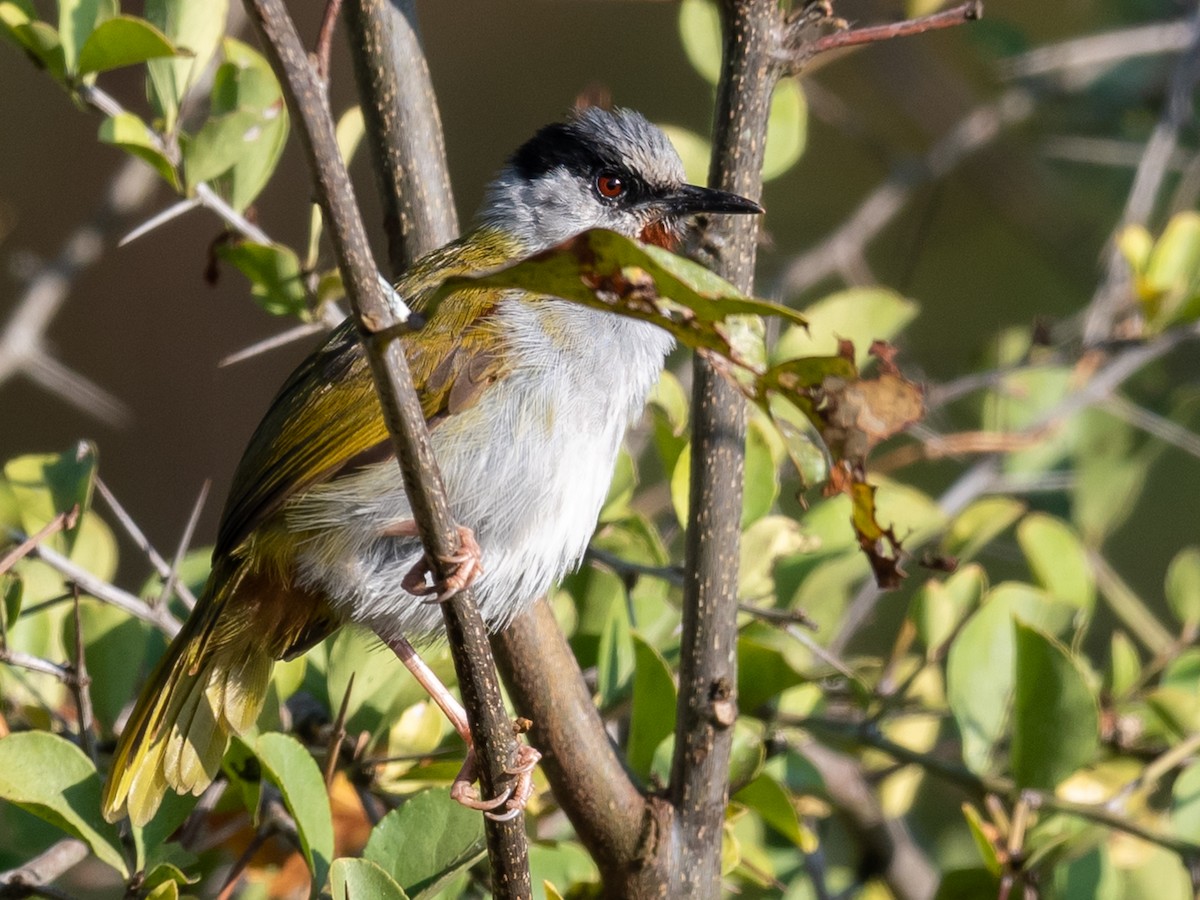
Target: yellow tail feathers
210,684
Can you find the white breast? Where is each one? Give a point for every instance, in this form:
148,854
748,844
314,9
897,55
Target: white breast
527,468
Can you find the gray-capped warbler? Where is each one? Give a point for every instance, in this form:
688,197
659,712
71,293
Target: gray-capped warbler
527,398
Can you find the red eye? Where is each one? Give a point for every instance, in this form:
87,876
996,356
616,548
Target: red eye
610,186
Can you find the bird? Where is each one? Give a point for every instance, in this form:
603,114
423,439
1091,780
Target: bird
527,398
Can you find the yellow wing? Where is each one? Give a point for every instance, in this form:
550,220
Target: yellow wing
326,417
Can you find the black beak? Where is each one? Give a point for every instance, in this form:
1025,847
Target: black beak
690,200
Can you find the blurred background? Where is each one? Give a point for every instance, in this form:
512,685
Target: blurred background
1013,233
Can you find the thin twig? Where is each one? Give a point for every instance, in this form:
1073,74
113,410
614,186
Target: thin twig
325,38
1113,291
171,582
161,566
846,246
1099,52
959,15
35,664
159,616
337,734
985,475
64,521
44,868
81,687
1153,424
296,333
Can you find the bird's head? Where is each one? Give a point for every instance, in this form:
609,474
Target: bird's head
600,169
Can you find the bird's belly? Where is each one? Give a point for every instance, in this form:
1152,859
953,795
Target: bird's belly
526,471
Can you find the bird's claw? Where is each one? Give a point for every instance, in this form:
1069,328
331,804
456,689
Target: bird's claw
513,798
467,563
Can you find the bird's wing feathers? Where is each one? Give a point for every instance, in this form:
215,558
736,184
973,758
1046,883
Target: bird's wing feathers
326,418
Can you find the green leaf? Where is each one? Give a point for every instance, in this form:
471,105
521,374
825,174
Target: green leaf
763,545
605,270
361,879
968,884
1058,560
700,32
562,864
291,768
426,841
652,716
12,590
1169,287
50,777
787,128
861,315
1124,666
764,672
940,607
1056,719
77,19
196,27
979,668
276,281
46,484
1185,804
769,799
356,653
669,397
239,146
979,524
134,136
761,479
36,38
1183,586
123,41
615,654
979,834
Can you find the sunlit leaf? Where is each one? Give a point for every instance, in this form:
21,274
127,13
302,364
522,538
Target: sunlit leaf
38,39
768,798
1056,719
276,281
77,19
1183,586
50,777
652,716
292,769
1058,560
694,149
123,41
860,315
979,668
700,31
940,607
980,524
1124,667
362,879
47,484
195,27
134,136
787,128
426,841
561,864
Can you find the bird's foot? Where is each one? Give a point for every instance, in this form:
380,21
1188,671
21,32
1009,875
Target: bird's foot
467,564
512,800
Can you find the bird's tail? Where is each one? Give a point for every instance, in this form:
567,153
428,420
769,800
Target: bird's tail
209,684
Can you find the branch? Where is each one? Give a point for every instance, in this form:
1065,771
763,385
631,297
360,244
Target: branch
707,703
618,825
795,57
1114,291
492,731
887,846
985,475
64,521
43,868
404,129
845,247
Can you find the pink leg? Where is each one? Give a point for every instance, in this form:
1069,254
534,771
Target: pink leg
463,789
467,564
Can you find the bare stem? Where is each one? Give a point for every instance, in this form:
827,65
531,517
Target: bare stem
492,731
62,522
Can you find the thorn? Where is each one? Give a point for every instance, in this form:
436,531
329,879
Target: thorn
171,212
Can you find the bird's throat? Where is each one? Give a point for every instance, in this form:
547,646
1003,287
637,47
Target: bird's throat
660,234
